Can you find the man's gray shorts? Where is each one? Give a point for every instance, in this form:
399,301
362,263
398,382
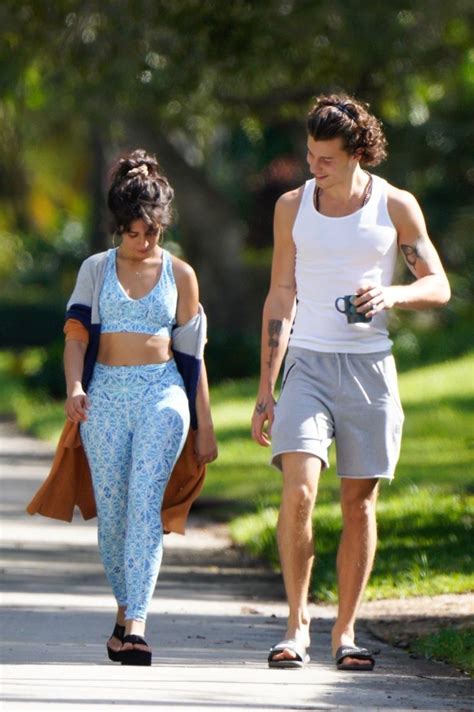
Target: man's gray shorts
352,398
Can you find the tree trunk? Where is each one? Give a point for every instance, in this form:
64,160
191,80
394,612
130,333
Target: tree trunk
99,234
213,238
14,180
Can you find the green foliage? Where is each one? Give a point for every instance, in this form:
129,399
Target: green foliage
219,100
29,324
37,414
425,516
48,374
23,393
34,410
11,382
231,355
437,446
453,646
206,57
440,339
424,544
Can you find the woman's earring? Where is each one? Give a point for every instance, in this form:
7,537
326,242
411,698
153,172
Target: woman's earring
160,235
113,239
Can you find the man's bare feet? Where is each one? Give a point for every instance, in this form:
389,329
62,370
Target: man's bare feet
300,634
346,640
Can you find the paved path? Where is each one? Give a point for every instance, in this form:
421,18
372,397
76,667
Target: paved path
213,617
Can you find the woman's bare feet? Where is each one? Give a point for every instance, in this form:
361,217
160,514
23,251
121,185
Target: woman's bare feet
135,645
114,643
135,650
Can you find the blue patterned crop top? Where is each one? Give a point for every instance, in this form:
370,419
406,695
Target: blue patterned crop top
155,313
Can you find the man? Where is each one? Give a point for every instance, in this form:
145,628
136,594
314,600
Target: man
337,236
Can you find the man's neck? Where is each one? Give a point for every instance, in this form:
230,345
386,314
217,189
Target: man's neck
350,189
346,197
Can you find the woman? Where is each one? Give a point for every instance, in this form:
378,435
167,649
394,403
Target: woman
135,415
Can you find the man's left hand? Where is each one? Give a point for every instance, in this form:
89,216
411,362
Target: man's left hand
373,298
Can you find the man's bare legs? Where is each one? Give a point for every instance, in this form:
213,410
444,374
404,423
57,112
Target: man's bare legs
296,547
355,555
295,540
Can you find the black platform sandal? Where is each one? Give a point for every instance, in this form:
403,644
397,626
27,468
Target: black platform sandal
118,632
135,656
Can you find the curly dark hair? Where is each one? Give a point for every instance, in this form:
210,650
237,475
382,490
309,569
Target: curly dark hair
342,115
139,190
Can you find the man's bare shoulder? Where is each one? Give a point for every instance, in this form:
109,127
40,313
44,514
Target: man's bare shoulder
402,205
400,199
287,204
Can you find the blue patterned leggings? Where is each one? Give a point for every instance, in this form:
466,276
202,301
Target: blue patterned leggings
136,428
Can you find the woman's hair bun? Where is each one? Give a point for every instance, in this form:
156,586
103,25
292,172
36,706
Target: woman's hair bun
139,190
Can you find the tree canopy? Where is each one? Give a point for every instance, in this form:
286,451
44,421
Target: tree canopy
219,90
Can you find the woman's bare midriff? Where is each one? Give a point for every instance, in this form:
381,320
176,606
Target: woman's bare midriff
127,349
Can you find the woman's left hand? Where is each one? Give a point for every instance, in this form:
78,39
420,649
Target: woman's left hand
205,445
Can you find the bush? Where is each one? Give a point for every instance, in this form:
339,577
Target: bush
30,324
232,355
49,376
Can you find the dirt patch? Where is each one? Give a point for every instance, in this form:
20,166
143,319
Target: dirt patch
401,621
398,621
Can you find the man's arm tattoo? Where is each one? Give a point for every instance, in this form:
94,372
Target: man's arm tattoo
261,407
414,253
274,331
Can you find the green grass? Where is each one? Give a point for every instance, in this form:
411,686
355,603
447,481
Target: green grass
35,412
452,646
437,450
425,516
424,545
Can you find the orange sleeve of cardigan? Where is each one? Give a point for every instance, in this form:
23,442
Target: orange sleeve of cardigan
75,331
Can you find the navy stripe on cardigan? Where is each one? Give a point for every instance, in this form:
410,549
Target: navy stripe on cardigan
190,370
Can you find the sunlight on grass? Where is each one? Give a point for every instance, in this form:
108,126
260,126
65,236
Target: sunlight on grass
453,646
35,412
453,379
43,418
425,516
424,545
234,414
438,441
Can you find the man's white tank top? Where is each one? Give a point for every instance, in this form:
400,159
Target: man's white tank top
335,256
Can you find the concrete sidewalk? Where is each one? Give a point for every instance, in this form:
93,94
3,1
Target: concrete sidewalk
213,618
